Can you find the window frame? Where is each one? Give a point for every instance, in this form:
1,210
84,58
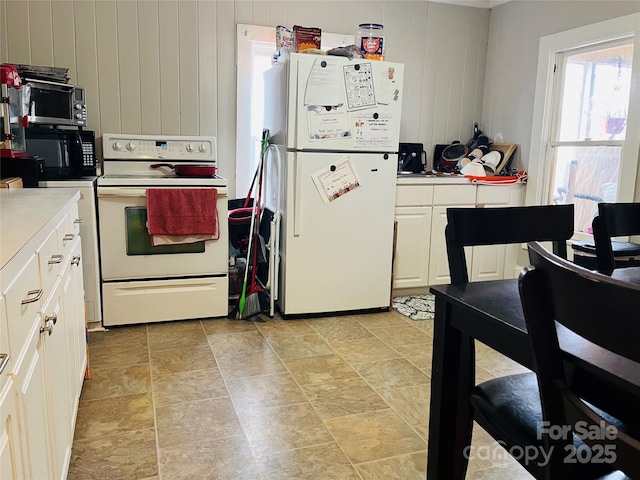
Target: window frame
545,106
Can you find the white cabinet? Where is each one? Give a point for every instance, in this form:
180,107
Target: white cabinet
413,233
11,452
23,298
421,216
11,466
56,363
411,264
493,262
42,294
74,331
445,196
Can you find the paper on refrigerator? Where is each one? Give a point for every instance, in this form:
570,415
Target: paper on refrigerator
387,87
359,87
336,180
324,84
373,129
328,122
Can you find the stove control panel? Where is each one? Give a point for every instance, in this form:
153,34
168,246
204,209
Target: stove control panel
168,147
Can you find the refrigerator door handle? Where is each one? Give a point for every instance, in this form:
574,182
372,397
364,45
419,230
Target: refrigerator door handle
297,197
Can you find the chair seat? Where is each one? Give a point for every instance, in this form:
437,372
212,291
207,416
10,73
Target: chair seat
509,409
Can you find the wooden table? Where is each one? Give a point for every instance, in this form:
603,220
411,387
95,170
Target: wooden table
491,312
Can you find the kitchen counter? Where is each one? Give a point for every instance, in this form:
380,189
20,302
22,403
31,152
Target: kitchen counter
24,213
440,179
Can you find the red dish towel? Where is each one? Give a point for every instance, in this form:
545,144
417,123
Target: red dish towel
175,211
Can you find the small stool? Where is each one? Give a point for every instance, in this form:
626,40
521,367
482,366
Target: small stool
625,254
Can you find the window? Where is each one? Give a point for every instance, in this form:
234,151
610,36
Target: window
591,122
585,131
256,46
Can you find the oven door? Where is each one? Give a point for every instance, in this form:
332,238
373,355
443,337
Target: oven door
126,250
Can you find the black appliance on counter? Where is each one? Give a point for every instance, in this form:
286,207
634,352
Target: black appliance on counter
53,154
30,169
67,153
412,158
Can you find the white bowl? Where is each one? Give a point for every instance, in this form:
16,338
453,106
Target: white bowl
474,168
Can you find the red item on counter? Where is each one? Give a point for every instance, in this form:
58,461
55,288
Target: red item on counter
9,76
521,177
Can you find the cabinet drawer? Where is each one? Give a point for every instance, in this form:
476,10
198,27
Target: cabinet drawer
23,299
414,195
454,195
493,195
6,356
50,262
74,220
68,230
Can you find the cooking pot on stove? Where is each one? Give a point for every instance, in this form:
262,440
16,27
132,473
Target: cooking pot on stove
189,170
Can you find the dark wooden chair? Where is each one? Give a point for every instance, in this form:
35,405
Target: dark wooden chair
555,290
508,407
501,226
613,220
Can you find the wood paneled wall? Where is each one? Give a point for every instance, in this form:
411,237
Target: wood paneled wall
168,66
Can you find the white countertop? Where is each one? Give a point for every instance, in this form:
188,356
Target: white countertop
24,214
440,179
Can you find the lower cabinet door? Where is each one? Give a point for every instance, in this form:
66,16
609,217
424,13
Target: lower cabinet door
11,455
74,328
56,356
488,263
438,262
32,401
413,242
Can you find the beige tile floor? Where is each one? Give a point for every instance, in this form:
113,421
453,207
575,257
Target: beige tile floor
335,398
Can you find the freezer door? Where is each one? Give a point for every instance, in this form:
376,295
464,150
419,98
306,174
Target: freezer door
336,255
347,105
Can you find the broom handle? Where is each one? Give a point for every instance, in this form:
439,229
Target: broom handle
254,238
253,217
263,145
253,182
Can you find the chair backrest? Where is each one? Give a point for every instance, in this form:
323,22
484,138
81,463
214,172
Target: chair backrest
600,309
502,226
613,220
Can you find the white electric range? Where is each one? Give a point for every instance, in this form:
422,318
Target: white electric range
142,283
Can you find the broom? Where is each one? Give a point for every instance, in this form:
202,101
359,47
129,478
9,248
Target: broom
250,303
242,302
257,300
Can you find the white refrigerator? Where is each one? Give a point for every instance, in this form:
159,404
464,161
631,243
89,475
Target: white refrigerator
337,122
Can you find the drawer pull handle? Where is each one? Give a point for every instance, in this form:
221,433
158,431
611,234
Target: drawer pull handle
37,293
51,318
78,220
75,260
4,359
56,259
69,236
48,327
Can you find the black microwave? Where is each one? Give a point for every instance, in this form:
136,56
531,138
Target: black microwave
66,153
53,103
